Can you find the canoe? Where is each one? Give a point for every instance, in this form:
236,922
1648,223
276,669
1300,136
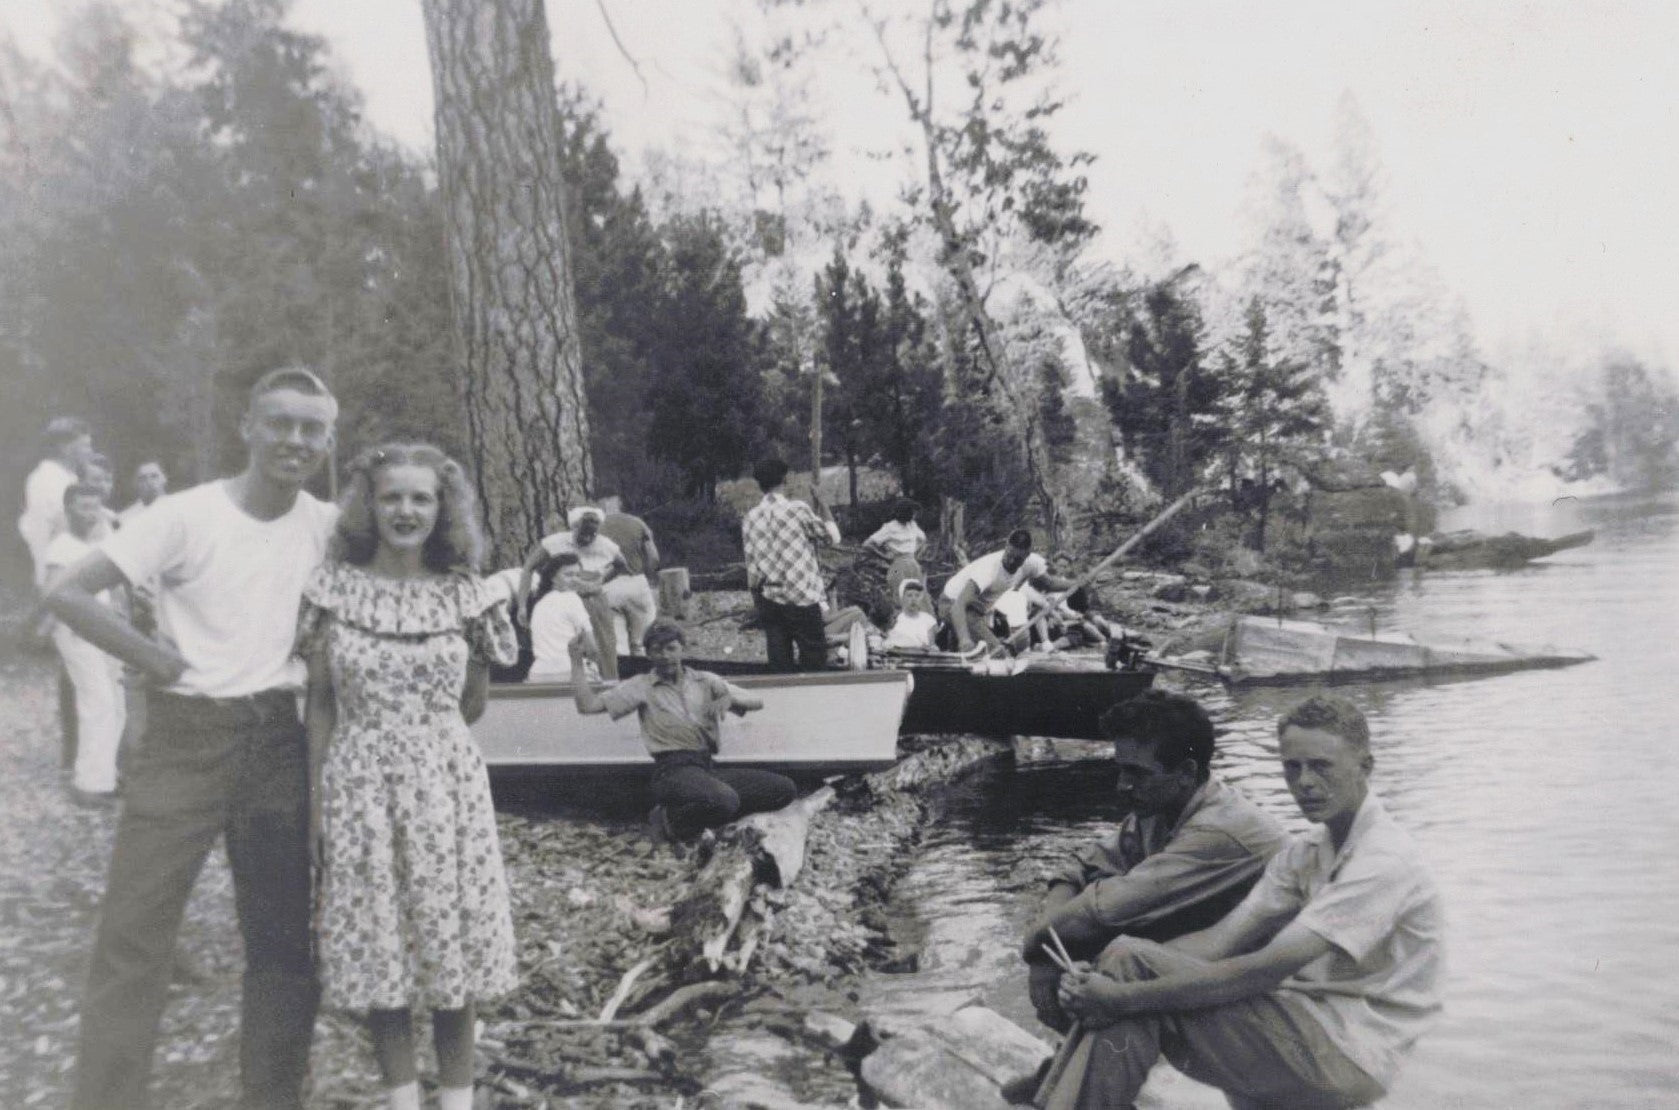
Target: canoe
1049,695
1267,651
816,724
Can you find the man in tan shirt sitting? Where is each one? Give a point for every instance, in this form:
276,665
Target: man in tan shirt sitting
1188,850
1309,993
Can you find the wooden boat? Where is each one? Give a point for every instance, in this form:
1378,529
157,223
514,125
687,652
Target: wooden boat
813,723
1264,651
1034,695
1476,550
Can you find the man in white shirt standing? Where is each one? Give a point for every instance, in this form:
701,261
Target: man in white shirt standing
150,483
224,753
95,676
69,445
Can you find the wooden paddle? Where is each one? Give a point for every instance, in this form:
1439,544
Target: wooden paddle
1064,1054
1121,551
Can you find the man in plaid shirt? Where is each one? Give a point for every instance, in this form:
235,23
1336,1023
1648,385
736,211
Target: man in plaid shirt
781,537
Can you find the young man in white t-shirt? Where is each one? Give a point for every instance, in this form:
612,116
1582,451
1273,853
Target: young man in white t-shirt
972,592
96,677
224,751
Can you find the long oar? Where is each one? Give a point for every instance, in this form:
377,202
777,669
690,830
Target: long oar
1124,549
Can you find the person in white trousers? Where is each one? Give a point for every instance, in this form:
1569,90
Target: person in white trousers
96,676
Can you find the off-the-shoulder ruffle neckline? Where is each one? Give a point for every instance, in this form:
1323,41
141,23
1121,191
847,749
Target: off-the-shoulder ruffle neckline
399,606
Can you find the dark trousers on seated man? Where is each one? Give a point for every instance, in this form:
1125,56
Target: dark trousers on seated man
794,635
697,795
236,768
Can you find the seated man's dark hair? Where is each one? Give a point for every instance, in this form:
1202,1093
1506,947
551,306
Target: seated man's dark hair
662,632
769,473
1173,726
1329,713
1021,538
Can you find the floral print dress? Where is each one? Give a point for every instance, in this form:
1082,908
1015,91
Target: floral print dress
412,905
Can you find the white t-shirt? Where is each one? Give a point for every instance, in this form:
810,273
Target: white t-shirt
64,551
912,630
228,585
43,510
556,620
993,581
595,557
899,538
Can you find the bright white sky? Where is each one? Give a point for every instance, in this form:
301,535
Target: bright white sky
1531,146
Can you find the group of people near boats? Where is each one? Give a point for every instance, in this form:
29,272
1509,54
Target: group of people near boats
360,831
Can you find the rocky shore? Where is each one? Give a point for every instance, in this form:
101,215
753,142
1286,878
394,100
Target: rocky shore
593,899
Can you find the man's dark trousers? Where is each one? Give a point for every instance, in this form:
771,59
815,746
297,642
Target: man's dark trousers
697,795
236,767
787,627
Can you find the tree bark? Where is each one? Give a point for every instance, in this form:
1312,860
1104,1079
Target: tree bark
499,166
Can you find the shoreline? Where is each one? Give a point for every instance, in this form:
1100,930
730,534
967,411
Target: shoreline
591,893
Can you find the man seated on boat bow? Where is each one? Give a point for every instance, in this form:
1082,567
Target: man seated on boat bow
681,709
1185,854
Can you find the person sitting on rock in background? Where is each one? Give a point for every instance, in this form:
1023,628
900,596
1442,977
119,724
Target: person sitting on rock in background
630,594
1308,994
1187,851
680,709
915,625
599,562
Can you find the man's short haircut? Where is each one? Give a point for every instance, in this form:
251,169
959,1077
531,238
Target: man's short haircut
299,379
661,632
769,473
143,463
61,430
1329,713
904,511
1173,726
103,462
1021,538
81,489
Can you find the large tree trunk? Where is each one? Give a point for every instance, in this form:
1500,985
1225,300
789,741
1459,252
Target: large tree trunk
499,165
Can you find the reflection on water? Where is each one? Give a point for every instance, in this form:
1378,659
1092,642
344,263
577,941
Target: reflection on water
1545,802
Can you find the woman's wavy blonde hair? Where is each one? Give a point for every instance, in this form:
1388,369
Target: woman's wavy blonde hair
457,541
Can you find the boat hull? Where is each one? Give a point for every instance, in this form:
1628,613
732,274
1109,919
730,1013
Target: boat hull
1054,696
810,724
1266,651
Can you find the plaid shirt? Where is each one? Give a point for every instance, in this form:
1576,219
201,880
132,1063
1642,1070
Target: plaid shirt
781,538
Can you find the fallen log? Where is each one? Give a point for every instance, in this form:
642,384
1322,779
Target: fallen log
766,847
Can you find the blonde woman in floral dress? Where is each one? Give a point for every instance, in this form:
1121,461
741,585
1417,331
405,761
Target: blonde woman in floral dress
413,910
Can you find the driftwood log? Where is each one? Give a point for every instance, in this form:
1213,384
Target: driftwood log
767,848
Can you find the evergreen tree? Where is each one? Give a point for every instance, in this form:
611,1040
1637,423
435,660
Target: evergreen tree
1274,410
706,400
1165,403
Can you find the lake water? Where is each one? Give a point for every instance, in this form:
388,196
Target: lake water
1547,803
